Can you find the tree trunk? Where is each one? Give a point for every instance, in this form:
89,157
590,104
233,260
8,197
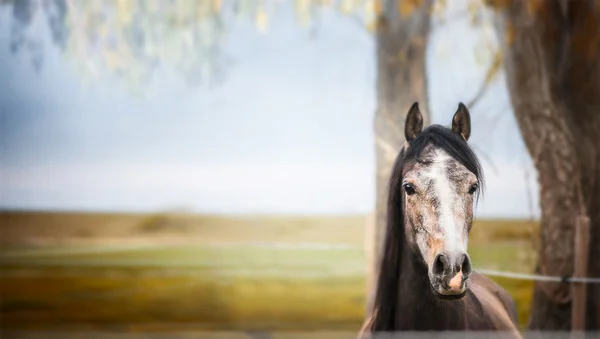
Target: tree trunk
552,63
401,41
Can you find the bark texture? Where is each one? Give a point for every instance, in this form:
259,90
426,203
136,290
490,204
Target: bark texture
401,41
552,63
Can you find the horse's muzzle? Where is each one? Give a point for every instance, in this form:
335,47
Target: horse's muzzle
449,274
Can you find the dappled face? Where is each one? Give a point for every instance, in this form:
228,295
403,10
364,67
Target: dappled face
438,197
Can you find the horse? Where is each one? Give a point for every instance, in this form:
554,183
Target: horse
426,281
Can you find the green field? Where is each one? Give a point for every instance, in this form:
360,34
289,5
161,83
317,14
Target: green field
307,273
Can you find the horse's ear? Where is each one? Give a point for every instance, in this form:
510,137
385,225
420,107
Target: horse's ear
461,123
414,122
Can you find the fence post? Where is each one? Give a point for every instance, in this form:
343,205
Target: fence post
578,290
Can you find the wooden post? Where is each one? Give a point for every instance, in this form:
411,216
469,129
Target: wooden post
578,290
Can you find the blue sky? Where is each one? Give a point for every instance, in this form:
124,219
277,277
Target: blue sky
289,131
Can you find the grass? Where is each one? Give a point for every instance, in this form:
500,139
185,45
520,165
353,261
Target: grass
217,280
241,288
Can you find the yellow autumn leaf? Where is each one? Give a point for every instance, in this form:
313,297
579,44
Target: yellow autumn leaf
124,12
371,14
262,20
474,8
439,7
371,26
377,7
217,6
303,10
346,6
406,7
369,8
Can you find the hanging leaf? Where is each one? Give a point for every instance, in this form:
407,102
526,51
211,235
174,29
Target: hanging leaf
262,20
407,7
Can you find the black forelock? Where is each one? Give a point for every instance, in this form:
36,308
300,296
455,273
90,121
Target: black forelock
456,147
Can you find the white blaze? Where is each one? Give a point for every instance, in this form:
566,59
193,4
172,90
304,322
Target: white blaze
447,200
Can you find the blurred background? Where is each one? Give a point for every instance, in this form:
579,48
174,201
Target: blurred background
220,165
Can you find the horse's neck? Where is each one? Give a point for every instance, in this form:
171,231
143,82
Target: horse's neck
417,307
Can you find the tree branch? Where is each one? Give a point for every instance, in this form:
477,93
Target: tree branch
489,76
486,158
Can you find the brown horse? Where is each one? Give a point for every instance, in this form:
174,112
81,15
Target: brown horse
426,282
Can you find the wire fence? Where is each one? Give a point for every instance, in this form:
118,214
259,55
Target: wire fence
179,263
539,277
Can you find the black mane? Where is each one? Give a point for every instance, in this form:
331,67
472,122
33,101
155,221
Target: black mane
388,283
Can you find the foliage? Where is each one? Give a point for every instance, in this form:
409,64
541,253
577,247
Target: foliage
132,38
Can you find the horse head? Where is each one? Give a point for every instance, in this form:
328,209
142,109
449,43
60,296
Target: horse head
438,182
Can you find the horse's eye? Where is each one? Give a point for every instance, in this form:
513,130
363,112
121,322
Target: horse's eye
473,189
409,189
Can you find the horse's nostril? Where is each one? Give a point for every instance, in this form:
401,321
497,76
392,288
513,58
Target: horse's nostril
438,264
466,264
